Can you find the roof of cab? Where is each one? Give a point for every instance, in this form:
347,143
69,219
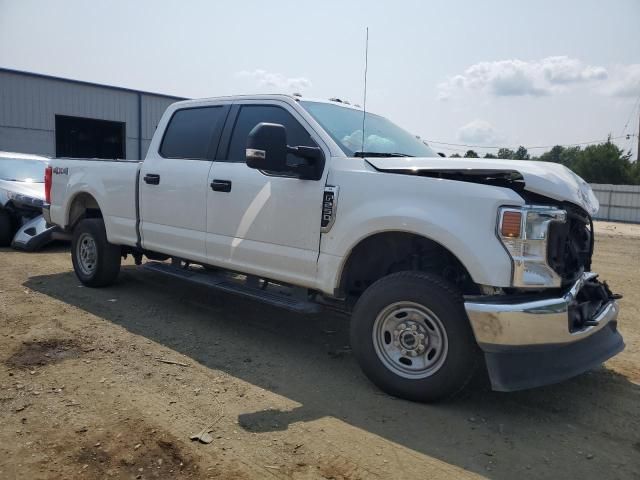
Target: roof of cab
270,96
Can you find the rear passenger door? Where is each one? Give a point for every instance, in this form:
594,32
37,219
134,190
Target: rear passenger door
263,223
173,182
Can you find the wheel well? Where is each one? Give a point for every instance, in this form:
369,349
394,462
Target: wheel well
389,252
83,206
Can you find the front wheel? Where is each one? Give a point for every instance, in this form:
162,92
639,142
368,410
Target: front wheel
95,260
411,337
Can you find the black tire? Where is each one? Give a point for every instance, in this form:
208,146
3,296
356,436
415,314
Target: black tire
456,363
7,228
106,262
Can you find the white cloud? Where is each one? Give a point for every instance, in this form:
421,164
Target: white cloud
372,142
276,81
625,81
518,77
479,132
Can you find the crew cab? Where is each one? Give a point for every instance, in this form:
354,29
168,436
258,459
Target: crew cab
445,265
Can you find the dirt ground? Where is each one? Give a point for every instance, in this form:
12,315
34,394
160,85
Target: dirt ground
86,390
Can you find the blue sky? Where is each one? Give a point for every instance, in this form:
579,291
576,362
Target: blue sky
490,73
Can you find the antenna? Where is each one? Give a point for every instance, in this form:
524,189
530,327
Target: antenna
364,102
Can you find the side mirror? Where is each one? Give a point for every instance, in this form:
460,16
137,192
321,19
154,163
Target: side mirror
267,147
267,150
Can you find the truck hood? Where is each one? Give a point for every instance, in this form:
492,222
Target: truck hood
544,178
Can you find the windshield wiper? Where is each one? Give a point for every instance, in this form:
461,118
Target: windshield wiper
379,154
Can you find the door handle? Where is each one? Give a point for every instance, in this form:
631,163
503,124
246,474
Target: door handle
221,185
152,178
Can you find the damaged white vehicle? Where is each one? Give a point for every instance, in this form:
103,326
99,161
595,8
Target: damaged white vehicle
445,265
21,198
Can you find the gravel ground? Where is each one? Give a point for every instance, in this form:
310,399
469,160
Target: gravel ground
111,383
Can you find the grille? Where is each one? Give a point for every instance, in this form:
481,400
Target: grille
570,245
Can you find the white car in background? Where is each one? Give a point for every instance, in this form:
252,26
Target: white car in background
21,198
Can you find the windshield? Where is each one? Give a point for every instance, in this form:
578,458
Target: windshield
381,136
18,170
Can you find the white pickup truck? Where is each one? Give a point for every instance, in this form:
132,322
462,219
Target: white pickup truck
447,266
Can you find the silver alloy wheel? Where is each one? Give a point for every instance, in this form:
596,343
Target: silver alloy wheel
410,340
87,254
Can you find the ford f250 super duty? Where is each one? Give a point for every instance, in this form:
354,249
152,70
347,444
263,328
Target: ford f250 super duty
445,265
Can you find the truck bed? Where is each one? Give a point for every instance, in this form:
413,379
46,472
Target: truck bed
111,184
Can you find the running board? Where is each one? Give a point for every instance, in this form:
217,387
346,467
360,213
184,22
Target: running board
236,285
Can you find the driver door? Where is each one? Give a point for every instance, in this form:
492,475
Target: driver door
259,223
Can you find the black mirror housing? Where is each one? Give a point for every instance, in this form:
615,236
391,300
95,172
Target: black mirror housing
267,150
267,147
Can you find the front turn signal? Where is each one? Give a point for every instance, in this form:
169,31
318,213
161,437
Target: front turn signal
511,224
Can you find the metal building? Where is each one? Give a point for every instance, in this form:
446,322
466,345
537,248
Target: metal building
68,118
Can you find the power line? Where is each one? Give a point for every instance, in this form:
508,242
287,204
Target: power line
528,148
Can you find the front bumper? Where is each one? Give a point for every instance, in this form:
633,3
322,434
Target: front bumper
34,234
528,343
46,212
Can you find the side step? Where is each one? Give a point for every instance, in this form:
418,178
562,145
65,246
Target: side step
236,284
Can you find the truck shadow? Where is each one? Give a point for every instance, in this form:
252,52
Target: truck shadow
586,427
56,246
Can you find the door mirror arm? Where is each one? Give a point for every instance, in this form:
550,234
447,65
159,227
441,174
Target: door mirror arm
310,167
267,150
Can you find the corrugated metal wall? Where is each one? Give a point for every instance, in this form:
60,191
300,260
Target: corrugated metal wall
29,104
618,202
152,109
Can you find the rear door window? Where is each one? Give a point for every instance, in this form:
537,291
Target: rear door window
192,132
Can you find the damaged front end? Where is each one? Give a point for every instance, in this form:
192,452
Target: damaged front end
556,319
32,231
34,234
531,340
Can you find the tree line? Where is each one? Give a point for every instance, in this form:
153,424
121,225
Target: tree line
600,163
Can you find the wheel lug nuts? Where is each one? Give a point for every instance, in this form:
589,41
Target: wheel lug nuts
396,344
414,328
402,326
421,336
421,348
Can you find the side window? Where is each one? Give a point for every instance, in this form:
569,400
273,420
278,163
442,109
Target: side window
251,115
190,132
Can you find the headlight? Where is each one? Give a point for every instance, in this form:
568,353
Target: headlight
524,233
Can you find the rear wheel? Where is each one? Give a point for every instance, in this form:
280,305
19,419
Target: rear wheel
411,337
7,228
95,260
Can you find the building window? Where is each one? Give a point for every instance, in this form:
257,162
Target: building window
78,137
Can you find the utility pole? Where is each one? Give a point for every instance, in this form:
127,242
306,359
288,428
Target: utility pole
638,158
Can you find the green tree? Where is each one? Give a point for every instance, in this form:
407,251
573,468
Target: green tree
552,155
570,157
489,155
471,154
506,153
521,154
455,155
604,163
634,171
